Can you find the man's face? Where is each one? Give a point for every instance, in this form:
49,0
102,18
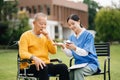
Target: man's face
40,24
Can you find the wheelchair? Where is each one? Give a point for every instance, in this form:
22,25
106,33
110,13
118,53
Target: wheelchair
26,76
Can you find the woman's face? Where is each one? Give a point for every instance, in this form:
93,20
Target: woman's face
73,25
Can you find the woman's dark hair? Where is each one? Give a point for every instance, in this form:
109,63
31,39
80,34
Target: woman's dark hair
75,18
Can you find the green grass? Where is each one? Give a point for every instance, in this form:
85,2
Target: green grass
8,64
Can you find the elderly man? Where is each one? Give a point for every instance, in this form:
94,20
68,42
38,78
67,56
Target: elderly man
36,45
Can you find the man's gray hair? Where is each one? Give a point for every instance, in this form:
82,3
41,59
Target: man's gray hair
37,15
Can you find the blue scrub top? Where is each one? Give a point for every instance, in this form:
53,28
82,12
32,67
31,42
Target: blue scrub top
85,41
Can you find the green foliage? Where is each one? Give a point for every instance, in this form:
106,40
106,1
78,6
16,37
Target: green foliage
12,30
5,32
107,25
7,9
92,10
21,26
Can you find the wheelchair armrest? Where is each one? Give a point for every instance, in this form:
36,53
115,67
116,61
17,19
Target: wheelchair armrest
56,60
26,60
30,61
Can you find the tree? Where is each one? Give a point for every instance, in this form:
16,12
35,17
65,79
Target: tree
7,9
11,25
108,25
23,23
1,5
92,10
21,26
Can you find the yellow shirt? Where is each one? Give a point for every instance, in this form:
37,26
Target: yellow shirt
30,44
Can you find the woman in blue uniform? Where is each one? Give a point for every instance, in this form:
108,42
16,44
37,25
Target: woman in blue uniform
81,48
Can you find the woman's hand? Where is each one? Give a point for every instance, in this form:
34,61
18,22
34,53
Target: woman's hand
71,46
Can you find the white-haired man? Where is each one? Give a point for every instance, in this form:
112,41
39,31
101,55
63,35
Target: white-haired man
36,44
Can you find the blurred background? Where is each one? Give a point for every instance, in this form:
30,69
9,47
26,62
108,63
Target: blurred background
100,17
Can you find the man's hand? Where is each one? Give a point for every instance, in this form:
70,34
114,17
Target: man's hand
44,32
38,63
60,44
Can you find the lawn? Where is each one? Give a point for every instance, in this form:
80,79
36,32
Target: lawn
8,64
